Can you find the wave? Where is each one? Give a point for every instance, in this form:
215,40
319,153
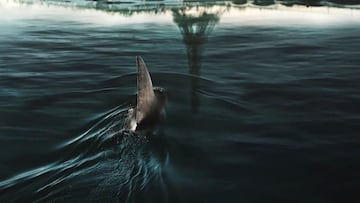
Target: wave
112,163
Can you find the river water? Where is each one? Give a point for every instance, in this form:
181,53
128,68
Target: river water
264,102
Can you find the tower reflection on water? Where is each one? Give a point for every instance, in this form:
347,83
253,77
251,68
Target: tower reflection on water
195,20
195,24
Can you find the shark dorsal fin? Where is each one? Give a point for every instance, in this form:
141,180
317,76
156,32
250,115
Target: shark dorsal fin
145,96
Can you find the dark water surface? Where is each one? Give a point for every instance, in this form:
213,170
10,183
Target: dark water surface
264,103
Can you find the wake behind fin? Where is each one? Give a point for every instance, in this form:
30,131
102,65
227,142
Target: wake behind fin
146,95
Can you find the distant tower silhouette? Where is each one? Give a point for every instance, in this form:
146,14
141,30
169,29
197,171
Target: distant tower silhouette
195,24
